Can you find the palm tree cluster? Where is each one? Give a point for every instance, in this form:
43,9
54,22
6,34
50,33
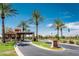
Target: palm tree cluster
59,25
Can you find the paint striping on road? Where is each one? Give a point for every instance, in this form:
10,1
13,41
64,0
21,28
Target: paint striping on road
19,53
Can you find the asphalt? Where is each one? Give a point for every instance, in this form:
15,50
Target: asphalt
29,50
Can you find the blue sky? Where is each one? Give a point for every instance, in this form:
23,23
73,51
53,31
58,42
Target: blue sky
69,13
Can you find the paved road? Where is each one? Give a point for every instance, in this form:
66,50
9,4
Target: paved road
30,50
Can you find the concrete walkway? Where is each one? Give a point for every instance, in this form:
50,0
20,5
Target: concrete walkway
29,50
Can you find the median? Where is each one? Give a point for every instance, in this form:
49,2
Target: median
46,46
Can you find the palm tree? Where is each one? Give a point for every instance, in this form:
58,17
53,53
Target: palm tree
36,18
61,28
24,26
5,10
58,24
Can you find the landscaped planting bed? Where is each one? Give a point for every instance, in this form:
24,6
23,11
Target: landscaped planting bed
7,49
45,45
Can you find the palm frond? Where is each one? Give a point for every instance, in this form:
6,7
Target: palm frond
12,12
36,17
23,24
31,21
7,9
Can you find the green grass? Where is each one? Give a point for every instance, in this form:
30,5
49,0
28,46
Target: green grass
7,49
43,44
8,54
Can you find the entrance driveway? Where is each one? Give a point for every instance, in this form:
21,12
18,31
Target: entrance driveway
29,50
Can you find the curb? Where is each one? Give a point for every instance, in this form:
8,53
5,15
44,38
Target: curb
46,48
70,44
18,51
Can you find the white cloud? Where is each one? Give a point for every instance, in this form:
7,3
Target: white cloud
32,25
49,25
71,33
72,25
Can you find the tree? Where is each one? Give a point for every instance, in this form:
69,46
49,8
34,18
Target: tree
36,19
24,26
61,28
58,24
5,10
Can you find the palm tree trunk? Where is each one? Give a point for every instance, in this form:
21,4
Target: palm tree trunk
68,30
3,26
55,43
23,37
36,32
58,33
23,34
3,31
61,32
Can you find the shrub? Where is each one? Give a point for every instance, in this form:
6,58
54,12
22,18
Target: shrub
57,37
77,42
64,41
71,42
63,37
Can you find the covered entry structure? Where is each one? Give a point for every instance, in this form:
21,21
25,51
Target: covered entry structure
21,35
